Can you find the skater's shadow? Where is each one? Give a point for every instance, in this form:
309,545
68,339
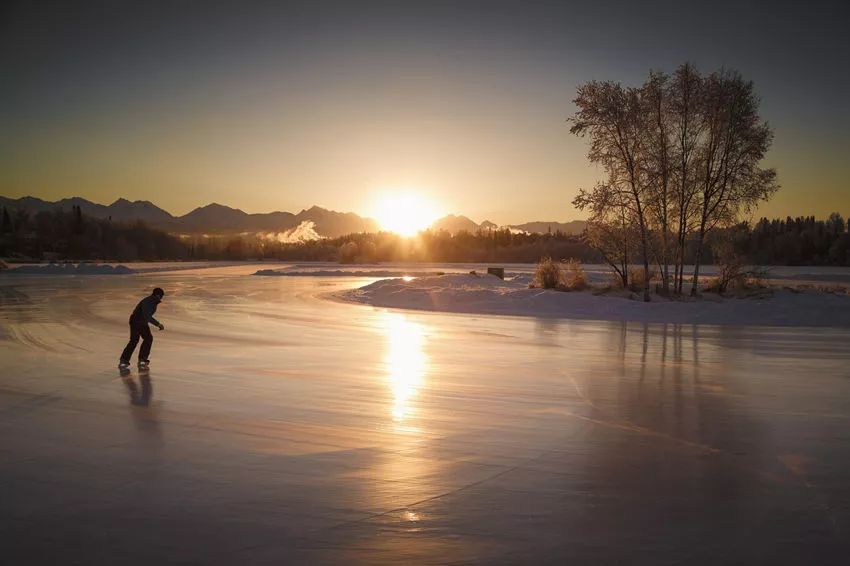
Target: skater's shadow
141,392
145,416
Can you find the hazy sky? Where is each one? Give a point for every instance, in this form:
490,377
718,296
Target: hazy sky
278,106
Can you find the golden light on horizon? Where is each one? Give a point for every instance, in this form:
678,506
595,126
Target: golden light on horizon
405,213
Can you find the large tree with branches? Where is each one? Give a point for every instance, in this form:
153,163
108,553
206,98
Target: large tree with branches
611,116
682,155
735,139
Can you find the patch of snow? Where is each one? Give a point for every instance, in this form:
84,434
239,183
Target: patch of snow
486,294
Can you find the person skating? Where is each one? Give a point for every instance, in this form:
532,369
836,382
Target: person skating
140,319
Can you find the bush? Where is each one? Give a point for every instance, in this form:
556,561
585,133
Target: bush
548,274
551,274
732,273
575,278
637,278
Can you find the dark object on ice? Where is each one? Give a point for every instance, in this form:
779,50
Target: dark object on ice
141,317
497,271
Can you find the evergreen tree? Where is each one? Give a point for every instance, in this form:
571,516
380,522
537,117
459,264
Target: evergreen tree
6,222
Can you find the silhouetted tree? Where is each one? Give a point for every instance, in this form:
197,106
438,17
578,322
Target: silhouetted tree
6,225
610,230
682,158
658,165
78,219
835,224
734,142
612,117
686,126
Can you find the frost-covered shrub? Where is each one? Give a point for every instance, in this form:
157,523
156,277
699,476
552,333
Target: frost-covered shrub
575,278
548,274
733,273
638,277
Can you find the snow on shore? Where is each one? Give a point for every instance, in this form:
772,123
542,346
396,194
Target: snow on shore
486,294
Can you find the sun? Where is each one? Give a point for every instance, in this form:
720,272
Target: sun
405,213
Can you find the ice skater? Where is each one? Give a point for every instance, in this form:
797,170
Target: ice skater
140,319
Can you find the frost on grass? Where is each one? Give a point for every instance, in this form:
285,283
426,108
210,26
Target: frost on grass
562,276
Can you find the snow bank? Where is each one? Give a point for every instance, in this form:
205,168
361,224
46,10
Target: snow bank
70,269
485,294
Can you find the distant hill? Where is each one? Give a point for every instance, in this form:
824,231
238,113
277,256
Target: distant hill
454,224
539,227
121,209
124,210
220,218
217,218
331,223
212,218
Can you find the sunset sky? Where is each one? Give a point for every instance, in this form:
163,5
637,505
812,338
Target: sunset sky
278,106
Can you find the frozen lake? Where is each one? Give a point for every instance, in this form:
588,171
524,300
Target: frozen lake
276,426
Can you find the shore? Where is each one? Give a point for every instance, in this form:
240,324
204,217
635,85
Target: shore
778,305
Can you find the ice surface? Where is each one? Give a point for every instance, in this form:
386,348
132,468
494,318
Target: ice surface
70,269
93,268
278,427
373,273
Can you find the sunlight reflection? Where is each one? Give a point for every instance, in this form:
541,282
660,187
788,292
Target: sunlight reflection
405,361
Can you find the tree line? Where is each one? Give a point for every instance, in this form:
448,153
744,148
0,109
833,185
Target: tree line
682,155
73,236
793,241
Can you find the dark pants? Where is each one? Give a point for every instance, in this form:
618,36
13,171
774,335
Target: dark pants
137,331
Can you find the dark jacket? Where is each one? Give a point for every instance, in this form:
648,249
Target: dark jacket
143,313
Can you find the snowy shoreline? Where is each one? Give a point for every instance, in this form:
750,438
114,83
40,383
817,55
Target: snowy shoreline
486,294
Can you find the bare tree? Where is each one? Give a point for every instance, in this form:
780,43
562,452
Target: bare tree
734,141
687,125
609,228
611,116
682,156
657,163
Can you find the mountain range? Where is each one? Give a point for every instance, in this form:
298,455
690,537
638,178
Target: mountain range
212,219
219,219
458,223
